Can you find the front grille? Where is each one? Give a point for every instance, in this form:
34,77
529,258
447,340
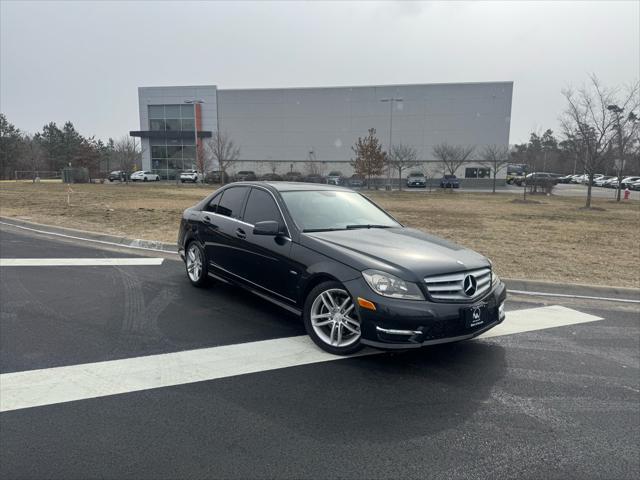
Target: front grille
450,287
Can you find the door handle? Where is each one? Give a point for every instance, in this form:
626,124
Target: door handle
240,233
207,219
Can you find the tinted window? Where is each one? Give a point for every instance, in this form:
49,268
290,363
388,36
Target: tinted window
212,206
231,202
261,207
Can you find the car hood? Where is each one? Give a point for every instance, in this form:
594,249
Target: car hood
405,252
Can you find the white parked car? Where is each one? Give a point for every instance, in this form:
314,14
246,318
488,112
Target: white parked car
190,176
142,176
628,181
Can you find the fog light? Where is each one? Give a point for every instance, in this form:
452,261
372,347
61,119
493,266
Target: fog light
501,311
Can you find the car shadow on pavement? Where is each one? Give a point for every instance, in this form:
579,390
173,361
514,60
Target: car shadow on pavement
379,398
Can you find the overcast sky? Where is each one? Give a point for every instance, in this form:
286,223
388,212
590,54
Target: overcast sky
83,61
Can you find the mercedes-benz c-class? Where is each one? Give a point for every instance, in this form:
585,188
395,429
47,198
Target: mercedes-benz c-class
355,274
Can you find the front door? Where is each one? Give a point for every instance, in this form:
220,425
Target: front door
267,262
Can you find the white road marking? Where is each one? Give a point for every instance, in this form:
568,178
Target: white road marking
77,382
77,262
566,295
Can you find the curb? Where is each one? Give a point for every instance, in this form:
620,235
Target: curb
571,289
114,240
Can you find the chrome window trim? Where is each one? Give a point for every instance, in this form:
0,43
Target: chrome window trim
287,236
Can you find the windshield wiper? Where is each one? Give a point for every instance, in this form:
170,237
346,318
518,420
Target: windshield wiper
352,227
311,230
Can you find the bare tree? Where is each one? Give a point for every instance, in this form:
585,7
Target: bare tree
627,127
593,126
495,157
222,150
128,154
370,158
452,157
33,155
203,161
402,157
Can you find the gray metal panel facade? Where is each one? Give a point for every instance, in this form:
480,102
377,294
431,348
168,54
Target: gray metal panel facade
285,124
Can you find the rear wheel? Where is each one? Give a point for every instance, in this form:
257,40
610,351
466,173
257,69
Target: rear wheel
331,320
144,179
196,264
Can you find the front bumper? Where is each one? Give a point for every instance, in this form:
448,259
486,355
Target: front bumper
405,324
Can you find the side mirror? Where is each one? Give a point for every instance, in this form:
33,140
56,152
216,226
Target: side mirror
268,227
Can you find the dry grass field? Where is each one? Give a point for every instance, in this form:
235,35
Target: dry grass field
551,240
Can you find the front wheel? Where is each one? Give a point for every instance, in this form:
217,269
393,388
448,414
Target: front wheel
196,264
331,320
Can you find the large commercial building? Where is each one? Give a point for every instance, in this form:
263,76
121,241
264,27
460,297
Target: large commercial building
283,129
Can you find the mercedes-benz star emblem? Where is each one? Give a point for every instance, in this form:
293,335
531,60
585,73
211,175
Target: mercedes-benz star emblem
469,285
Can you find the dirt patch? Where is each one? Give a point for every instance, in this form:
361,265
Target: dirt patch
555,241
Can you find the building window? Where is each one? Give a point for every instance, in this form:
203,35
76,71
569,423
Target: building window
476,172
170,156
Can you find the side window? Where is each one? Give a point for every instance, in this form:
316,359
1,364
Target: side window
261,207
212,206
231,202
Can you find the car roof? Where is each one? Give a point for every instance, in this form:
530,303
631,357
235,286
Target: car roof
292,186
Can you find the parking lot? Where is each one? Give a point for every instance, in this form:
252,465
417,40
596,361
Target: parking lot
114,366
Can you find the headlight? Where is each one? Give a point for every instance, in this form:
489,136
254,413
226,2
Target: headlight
389,285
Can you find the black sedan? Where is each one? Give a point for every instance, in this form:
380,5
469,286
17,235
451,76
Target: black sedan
355,275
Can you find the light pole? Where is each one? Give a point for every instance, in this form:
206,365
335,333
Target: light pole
391,101
195,127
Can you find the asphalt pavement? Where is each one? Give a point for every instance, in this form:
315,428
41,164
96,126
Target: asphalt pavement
558,401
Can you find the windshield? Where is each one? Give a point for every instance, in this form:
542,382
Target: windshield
327,210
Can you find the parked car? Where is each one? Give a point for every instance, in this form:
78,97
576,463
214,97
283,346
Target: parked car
599,182
246,176
635,185
611,183
190,176
293,177
357,181
449,181
539,178
216,177
335,178
565,178
144,176
579,178
416,179
332,256
119,175
314,178
271,177
628,181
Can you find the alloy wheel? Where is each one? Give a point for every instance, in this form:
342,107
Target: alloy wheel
333,318
194,263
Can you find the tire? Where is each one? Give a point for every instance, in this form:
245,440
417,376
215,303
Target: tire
323,303
182,181
144,179
197,275
157,178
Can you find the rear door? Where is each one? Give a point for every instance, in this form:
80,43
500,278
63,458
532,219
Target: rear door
267,262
